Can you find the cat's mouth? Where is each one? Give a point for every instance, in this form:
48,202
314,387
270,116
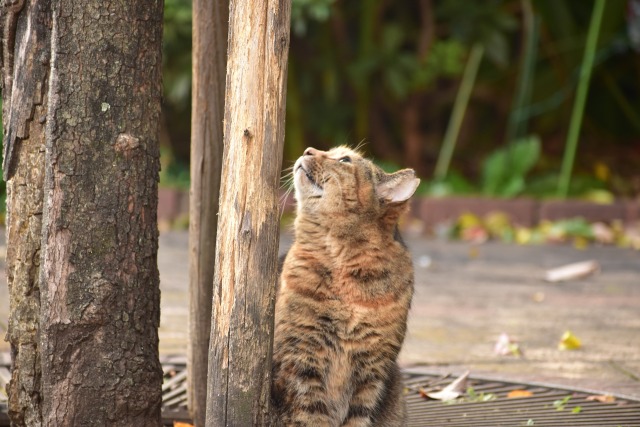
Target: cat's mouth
309,177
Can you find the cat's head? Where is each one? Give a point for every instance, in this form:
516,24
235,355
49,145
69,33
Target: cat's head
340,181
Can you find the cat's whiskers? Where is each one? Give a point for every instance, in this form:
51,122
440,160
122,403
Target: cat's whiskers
287,185
360,145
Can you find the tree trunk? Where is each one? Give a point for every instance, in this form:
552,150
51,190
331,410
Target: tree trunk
247,243
100,305
210,28
25,86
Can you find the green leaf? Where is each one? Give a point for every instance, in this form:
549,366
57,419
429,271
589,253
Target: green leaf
513,187
504,171
560,404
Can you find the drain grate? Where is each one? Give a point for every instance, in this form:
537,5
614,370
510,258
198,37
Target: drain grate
174,390
544,405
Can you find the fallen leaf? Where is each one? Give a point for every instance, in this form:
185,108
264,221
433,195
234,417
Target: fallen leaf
181,424
523,236
498,224
451,391
474,396
603,233
601,197
468,219
507,346
538,297
514,394
561,403
568,341
603,398
576,410
572,271
474,234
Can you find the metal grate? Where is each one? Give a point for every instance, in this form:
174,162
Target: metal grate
546,406
174,390
541,408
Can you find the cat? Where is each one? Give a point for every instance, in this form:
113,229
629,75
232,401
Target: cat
344,294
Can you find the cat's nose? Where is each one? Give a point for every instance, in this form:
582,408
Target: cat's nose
310,152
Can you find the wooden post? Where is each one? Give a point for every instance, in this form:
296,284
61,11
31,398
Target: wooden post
248,223
210,28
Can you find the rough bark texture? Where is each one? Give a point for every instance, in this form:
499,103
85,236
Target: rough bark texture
24,105
100,304
210,28
247,241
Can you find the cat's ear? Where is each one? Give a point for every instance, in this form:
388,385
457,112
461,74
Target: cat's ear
397,187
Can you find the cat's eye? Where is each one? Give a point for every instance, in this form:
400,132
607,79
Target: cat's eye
345,159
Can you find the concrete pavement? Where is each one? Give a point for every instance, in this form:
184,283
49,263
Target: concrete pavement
466,296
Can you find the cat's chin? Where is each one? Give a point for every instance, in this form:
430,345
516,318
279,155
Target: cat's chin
310,193
306,187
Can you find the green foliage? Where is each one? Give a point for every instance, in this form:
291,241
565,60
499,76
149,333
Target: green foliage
486,22
404,73
505,170
561,403
478,396
504,173
388,73
581,97
303,11
574,227
453,184
173,173
177,53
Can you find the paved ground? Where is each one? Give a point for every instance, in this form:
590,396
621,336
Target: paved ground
466,296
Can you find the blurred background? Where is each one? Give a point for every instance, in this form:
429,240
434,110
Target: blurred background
499,99
389,73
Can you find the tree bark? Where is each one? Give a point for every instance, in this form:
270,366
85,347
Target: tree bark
247,243
100,304
25,86
210,29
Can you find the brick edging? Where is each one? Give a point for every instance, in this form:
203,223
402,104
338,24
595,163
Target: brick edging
523,211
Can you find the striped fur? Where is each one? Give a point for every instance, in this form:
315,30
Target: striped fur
345,290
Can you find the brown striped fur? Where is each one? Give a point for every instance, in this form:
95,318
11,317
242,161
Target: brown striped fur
345,290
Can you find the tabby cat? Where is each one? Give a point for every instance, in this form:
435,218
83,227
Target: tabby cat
345,290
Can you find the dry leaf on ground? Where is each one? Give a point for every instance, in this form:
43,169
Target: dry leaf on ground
507,346
568,341
603,398
514,394
572,271
454,390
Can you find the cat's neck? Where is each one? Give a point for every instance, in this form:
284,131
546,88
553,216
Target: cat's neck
329,237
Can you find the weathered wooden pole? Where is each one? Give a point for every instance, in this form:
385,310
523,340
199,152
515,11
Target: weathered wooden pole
248,223
210,28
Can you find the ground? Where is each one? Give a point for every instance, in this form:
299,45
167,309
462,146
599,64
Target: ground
466,296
